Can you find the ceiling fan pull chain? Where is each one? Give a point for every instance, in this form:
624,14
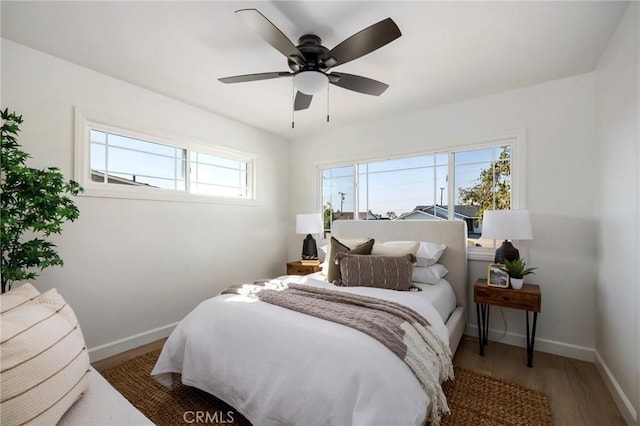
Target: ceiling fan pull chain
293,104
327,103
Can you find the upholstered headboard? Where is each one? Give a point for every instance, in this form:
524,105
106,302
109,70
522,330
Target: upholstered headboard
451,233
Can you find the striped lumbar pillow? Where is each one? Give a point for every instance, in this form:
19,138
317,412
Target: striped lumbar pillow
389,272
44,361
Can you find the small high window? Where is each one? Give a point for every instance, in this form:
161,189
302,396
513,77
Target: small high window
113,160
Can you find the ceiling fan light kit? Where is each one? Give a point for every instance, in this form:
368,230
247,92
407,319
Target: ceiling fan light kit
310,62
310,82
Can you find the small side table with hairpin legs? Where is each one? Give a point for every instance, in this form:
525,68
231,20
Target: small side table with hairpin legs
528,299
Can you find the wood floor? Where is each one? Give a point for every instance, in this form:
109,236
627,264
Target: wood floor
115,360
577,393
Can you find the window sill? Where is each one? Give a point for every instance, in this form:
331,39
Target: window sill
163,195
480,253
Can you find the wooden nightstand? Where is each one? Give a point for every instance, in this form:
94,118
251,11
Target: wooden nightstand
297,268
528,299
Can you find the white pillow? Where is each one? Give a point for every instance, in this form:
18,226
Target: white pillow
429,274
322,251
428,253
45,363
348,242
395,248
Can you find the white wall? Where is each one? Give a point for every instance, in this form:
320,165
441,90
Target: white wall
558,118
618,117
132,266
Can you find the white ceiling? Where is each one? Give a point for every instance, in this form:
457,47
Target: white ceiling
449,51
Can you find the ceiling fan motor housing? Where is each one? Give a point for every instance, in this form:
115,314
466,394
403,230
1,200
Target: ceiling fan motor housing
310,45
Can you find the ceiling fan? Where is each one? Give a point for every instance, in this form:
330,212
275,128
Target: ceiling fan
310,62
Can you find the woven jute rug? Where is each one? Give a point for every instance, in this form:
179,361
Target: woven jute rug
474,399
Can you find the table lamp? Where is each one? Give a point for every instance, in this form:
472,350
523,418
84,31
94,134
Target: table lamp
309,224
506,225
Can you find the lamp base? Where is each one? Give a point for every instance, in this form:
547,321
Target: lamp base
309,248
506,252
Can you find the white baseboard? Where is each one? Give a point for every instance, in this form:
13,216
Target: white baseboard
113,348
623,403
543,345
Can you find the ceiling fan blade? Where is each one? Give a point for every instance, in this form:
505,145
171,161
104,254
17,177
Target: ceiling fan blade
271,34
358,83
255,77
362,43
302,101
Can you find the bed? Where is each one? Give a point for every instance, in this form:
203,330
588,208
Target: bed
277,366
451,233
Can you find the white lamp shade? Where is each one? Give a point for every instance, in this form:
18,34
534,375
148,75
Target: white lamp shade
309,223
310,82
506,225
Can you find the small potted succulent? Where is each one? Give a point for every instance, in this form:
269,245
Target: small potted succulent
517,269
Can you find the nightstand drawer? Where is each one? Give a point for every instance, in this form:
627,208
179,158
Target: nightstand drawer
527,298
297,268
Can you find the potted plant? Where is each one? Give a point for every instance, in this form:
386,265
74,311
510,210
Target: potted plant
517,270
33,206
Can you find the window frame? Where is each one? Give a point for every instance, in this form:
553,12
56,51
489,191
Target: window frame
517,140
87,120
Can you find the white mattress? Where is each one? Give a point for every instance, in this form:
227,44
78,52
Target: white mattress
441,295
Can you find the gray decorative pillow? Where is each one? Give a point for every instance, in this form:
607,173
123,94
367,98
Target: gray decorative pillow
389,272
333,273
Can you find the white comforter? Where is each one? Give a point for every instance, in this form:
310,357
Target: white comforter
277,366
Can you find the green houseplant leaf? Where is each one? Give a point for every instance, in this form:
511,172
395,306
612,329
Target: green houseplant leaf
517,268
33,205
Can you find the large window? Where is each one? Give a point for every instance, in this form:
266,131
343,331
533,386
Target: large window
116,161
476,178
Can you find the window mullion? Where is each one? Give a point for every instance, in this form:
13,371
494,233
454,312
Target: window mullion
493,178
187,170
175,169
433,180
366,210
451,185
105,178
511,203
356,191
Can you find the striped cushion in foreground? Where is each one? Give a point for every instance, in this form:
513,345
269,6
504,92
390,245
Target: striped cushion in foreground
44,363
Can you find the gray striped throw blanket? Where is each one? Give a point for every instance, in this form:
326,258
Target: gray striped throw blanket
405,332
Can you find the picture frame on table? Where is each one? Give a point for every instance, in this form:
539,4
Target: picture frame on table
496,276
